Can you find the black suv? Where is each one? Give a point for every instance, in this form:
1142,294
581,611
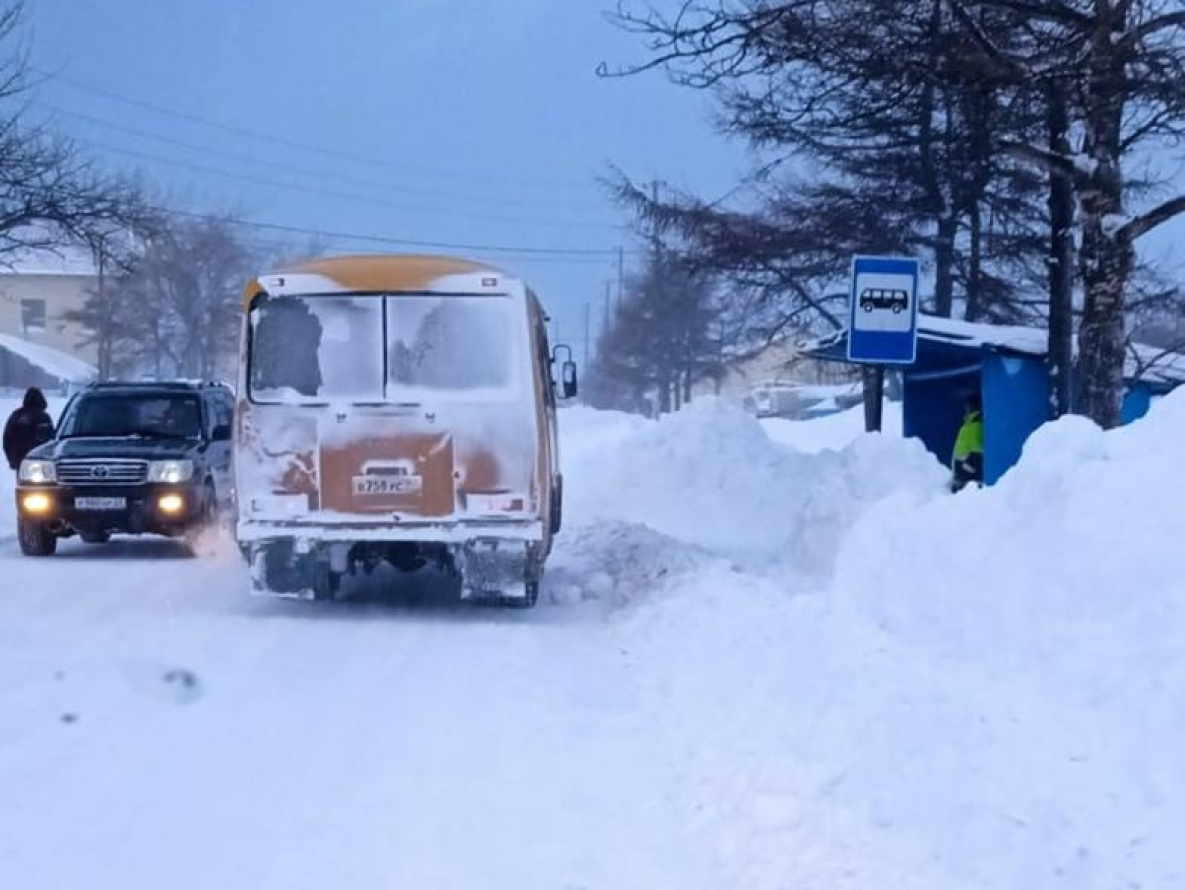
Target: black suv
131,458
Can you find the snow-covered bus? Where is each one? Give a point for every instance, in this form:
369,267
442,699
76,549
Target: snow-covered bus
400,410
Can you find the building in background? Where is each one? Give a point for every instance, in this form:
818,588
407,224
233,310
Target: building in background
37,288
38,347
781,381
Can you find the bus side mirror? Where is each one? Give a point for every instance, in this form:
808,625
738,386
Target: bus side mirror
567,384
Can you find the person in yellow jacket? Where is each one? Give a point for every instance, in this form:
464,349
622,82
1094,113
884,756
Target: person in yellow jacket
966,463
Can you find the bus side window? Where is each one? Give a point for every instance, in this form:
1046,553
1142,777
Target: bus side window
545,363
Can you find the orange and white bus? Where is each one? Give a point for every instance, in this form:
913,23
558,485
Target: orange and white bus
397,409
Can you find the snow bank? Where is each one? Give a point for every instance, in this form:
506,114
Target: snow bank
711,478
831,433
1078,539
988,694
586,434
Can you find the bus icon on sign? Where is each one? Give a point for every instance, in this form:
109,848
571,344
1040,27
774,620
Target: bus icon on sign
884,298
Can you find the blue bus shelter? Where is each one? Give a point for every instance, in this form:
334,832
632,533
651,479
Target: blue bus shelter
1007,366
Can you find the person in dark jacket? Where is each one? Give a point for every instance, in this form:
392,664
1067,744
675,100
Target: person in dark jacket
27,427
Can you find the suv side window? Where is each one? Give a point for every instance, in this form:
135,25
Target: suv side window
223,411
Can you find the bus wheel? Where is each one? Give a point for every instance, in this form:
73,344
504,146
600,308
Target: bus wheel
557,506
531,578
327,583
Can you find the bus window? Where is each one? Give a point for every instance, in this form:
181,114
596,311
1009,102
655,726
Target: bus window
449,343
318,348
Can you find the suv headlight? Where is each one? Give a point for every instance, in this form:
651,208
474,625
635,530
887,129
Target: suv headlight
170,471
38,472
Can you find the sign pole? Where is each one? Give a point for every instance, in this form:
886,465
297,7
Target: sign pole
874,398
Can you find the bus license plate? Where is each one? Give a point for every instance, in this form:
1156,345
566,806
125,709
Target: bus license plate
387,485
101,503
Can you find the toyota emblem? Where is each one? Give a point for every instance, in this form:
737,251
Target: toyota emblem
100,472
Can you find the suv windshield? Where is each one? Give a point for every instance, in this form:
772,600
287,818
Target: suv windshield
127,414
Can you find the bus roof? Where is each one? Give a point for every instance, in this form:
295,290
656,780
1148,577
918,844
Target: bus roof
372,273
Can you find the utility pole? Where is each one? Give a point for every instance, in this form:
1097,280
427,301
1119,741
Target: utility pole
655,235
104,315
620,275
587,334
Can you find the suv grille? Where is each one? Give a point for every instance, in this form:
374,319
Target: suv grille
102,472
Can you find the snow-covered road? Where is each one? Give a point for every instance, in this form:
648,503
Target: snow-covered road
758,664
162,730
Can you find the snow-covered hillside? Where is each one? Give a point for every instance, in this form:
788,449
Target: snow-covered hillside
757,666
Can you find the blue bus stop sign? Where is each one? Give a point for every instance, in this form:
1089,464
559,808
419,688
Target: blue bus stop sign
883,315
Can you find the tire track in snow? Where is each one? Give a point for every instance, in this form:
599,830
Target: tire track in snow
349,745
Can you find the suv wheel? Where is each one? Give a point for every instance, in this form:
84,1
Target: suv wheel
35,538
203,524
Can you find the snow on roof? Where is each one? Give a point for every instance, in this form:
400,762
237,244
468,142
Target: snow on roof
70,260
52,361
1143,362
1009,338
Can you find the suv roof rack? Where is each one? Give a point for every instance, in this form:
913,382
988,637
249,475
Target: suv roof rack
158,384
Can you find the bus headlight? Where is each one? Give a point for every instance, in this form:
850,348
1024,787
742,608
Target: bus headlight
38,472
170,471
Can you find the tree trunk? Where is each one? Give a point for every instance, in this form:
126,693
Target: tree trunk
1107,254
1061,264
979,108
975,308
664,397
1107,263
944,261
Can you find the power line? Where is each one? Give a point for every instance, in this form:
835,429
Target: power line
602,254
274,165
249,133
330,193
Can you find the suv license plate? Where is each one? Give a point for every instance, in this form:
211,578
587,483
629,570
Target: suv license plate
101,503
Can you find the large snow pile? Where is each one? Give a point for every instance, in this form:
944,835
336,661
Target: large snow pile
1078,539
988,694
832,432
711,477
